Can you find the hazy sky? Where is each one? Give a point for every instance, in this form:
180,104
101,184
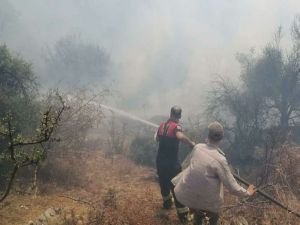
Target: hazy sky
167,51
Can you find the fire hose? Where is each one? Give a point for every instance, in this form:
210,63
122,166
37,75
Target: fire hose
267,196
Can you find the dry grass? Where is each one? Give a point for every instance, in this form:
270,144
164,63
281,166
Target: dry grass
283,185
118,192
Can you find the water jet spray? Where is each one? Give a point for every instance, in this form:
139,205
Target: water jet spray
129,115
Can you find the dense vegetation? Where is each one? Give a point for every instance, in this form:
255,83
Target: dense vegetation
265,106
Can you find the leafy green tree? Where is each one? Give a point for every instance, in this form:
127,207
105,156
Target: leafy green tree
18,90
267,96
23,151
21,144
274,77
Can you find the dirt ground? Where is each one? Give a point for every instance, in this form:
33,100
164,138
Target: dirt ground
130,190
123,193
18,210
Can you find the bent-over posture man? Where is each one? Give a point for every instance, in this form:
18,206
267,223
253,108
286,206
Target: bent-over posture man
169,135
200,185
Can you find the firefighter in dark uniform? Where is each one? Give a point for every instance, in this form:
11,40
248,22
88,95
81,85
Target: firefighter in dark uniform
169,135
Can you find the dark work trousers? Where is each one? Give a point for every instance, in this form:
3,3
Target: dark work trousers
201,215
166,172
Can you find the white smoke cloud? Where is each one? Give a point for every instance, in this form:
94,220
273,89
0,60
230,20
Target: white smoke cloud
168,51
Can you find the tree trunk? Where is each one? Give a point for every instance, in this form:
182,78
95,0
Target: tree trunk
35,186
284,125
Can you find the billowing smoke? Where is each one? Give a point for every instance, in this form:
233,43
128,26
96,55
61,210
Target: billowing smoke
159,53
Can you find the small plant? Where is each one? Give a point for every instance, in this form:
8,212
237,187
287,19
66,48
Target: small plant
23,151
110,198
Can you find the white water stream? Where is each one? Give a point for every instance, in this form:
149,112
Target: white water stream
120,112
128,115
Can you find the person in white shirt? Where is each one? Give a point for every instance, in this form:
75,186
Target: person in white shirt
200,185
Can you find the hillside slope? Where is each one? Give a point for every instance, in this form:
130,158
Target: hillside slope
113,190
121,191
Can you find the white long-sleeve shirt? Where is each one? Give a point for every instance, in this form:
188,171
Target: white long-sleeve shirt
200,185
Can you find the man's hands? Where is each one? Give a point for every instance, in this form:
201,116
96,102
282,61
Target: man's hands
193,144
251,190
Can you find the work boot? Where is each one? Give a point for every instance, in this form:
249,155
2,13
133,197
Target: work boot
184,215
167,201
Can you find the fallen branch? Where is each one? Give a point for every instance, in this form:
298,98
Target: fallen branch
267,196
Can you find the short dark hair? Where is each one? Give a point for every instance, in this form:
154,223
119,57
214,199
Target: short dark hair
176,112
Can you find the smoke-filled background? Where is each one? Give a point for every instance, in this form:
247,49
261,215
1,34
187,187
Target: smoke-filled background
68,67
154,53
